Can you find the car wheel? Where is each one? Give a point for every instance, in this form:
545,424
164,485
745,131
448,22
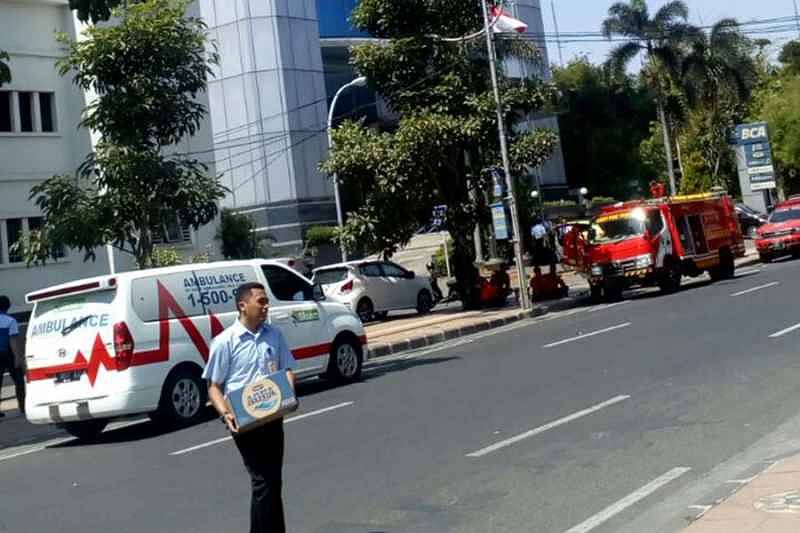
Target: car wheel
381,315
365,310
424,302
345,361
670,280
183,398
86,429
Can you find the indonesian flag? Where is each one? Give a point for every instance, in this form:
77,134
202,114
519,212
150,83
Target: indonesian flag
506,23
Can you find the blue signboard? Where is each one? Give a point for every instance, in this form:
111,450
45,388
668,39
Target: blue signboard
500,221
753,139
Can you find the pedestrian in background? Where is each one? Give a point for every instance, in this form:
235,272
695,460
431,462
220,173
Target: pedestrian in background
11,356
248,351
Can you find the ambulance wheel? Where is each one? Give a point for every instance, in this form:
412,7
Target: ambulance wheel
183,397
346,359
670,280
86,429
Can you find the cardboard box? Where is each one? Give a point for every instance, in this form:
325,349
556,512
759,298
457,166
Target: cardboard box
262,401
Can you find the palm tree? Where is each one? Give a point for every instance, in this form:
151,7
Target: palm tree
662,39
718,76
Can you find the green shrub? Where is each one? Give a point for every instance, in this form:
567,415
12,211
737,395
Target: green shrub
237,236
165,257
321,235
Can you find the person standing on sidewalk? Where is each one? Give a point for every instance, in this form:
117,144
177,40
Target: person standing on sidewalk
247,351
10,352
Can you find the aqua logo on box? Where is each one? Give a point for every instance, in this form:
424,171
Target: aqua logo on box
262,398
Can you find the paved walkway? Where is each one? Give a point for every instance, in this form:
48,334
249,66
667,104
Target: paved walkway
770,503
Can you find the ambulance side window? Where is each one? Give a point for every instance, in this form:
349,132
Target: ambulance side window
287,286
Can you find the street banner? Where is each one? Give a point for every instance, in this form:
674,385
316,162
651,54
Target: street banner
500,221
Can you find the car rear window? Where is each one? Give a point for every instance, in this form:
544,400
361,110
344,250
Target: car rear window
332,275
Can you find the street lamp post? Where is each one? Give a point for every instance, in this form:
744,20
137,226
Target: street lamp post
358,82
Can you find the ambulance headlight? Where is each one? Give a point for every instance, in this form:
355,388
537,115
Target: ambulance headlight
644,261
597,270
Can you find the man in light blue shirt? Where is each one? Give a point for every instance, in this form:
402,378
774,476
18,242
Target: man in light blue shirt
247,351
10,361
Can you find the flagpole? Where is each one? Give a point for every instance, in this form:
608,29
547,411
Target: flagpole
512,197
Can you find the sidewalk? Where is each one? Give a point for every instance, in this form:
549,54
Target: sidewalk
770,503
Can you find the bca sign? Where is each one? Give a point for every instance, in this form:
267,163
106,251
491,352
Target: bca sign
751,133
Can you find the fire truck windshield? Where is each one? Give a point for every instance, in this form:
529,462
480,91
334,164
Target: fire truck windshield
619,226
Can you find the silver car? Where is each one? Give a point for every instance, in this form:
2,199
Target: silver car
373,288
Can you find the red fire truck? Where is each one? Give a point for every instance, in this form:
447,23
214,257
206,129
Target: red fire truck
656,242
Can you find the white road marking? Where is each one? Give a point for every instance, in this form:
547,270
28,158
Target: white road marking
541,429
783,332
741,481
754,289
629,500
747,271
286,421
587,335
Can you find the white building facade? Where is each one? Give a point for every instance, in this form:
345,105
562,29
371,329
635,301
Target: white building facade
39,138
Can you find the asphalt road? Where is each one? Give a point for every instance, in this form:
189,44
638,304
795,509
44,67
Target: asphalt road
611,418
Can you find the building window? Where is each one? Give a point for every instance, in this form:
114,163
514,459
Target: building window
14,232
35,224
25,111
173,232
46,109
5,111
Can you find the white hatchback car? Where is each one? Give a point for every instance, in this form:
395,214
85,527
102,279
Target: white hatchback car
373,288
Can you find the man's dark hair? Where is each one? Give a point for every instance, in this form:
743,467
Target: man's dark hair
243,292
5,303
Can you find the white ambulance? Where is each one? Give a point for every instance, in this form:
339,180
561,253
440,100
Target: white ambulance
137,342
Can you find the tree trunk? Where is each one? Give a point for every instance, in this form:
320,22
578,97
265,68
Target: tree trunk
144,248
667,145
679,153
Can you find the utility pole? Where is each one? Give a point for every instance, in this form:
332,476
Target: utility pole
796,17
512,201
558,35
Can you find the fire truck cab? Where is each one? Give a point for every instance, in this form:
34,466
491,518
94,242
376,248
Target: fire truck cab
656,242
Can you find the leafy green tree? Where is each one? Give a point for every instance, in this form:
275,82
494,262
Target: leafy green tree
446,138
95,10
603,121
661,38
146,71
790,56
778,104
237,236
718,76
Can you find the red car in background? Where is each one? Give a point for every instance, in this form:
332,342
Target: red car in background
781,234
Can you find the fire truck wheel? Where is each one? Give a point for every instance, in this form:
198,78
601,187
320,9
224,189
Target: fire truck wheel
765,258
87,429
726,268
613,292
671,276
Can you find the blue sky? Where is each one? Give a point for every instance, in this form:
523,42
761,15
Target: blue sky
587,15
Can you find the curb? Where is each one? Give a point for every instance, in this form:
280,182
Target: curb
382,349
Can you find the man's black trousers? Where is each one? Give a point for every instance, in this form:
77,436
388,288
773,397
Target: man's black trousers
17,375
262,452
